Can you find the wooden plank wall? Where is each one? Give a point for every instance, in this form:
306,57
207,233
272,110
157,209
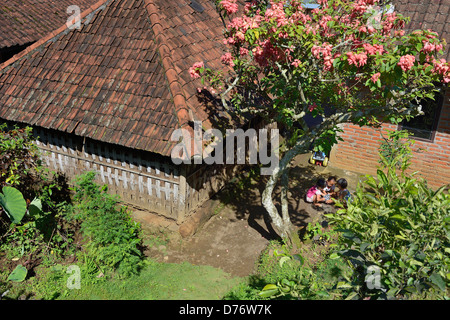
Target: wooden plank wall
142,179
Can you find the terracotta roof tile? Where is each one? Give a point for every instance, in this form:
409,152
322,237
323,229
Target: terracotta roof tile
26,21
426,14
122,78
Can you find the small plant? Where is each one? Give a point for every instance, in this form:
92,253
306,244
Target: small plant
318,233
395,150
112,238
292,279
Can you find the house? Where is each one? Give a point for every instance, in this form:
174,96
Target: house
24,22
431,132
107,97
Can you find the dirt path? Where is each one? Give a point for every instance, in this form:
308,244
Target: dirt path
239,230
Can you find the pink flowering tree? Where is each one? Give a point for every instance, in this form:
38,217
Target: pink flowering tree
351,57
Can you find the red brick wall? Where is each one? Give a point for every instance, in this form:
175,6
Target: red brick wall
359,150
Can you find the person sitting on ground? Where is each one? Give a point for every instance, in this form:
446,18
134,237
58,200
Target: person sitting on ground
330,186
316,194
343,194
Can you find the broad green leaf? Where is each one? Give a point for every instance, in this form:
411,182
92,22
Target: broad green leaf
19,274
437,280
268,291
333,256
35,207
13,203
299,258
374,230
269,287
283,260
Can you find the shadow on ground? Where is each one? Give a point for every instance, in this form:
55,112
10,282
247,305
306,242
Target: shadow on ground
240,228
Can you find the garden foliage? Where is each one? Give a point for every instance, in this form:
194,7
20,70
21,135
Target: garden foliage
112,238
396,229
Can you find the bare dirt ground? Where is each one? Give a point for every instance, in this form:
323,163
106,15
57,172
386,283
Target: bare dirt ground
239,229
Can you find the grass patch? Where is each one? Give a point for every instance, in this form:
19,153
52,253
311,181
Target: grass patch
161,281
156,281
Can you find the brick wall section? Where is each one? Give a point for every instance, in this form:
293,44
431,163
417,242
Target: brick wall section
359,150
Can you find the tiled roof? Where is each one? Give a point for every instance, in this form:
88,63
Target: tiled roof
427,14
26,21
122,78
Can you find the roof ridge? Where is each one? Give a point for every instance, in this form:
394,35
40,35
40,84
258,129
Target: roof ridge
55,33
181,107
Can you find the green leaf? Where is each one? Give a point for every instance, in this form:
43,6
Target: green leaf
13,203
398,217
334,255
19,274
352,296
269,287
438,281
343,285
35,207
283,260
299,258
374,231
382,177
268,291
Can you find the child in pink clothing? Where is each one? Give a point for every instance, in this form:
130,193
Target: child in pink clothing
317,194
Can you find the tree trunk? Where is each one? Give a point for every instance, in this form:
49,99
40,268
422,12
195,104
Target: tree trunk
282,223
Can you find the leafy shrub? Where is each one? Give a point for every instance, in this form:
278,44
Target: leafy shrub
20,165
32,231
112,237
399,227
281,275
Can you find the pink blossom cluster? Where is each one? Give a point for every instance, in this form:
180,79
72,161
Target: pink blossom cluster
296,63
194,70
243,51
406,62
227,59
357,59
239,26
373,49
392,22
312,107
324,51
431,47
324,21
442,67
276,11
266,52
360,6
230,6
375,77
249,5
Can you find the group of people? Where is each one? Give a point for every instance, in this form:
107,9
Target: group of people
324,191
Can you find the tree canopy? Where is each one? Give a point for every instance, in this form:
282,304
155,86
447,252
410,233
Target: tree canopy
351,57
